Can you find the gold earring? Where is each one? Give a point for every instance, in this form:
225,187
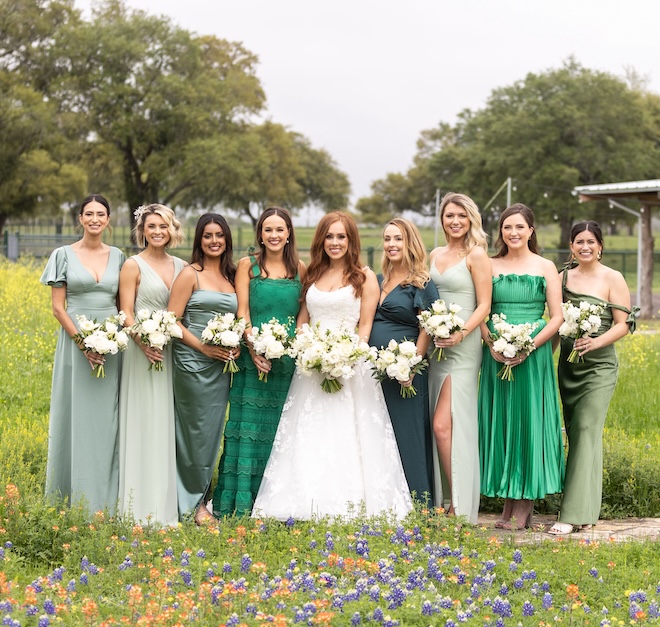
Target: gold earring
600,254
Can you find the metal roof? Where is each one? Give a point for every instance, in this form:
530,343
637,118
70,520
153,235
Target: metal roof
630,187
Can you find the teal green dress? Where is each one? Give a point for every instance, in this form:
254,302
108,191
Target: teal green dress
520,443
396,319
82,435
201,391
586,390
255,406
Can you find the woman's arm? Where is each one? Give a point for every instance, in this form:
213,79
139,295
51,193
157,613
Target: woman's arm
553,301
368,305
619,295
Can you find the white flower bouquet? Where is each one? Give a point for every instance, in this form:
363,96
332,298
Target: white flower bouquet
510,340
105,338
332,352
156,329
440,321
399,361
226,331
270,339
579,322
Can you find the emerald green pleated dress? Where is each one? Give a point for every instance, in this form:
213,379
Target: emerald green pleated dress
586,390
255,406
520,443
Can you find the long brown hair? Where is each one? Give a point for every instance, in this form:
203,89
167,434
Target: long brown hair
320,261
528,215
290,256
227,266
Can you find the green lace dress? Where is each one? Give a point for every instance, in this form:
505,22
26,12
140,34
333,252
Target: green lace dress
255,406
520,443
586,390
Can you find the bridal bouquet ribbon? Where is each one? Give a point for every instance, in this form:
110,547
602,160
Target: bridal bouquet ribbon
270,339
440,321
510,340
579,322
156,329
400,362
226,331
105,338
331,352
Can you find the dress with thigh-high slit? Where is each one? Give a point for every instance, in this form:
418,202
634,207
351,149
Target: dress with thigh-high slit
461,370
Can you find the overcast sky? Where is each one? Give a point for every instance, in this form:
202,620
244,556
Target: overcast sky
362,78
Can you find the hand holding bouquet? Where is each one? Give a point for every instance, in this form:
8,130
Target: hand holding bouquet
579,322
104,338
440,321
226,331
510,340
155,329
270,339
400,362
332,352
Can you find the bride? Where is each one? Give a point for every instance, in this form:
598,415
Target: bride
335,454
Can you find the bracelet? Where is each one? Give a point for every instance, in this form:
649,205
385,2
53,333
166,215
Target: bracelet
463,333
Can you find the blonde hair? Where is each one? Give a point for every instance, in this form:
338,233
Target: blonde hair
414,255
476,236
173,225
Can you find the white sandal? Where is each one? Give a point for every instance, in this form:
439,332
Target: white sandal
561,529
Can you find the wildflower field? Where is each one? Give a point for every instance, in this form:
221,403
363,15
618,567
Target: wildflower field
61,565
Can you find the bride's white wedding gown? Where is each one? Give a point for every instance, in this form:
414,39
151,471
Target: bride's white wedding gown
334,454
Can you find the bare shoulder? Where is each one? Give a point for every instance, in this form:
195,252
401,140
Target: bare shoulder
478,254
243,262
614,278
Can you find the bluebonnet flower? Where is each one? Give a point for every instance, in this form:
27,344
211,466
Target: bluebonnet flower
290,522
518,583
312,544
427,608
545,586
169,552
246,562
527,609
390,622
84,580
504,589
513,567
31,610
329,541
446,603
356,619
489,565
502,607
226,567
49,607
450,623
378,614
633,609
593,572
71,586
201,553
605,622
127,563
639,596
517,556
44,621
186,577
653,609
9,545
362,548
232,620
6,607
135,544
374,592
251,608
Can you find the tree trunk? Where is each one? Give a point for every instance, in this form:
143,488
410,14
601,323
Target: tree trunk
646,278
565,225
3,220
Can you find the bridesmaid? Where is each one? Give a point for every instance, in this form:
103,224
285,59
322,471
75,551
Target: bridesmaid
267,286
201,389
587,387
520,443
82,438
147,465
461,272
405,290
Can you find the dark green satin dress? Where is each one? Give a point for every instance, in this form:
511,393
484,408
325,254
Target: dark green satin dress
201,391
586,389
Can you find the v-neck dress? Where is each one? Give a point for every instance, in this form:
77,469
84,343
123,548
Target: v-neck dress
460,369
396,319
82,436
147,463
586,389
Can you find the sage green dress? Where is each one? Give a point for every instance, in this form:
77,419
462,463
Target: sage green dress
82,435
201,391
586,390
255,406
520,441
147,465
396,319
455,285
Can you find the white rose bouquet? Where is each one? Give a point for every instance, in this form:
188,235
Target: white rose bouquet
510,340
225,330
399,361
155,329
440,321
105,338
270,339
332,352
579,322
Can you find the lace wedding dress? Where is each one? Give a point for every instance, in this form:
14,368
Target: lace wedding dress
334,454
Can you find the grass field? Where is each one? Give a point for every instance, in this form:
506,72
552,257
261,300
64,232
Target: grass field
63,566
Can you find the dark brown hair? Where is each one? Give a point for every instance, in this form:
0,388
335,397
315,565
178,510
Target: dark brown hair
528,215
291,258
227,266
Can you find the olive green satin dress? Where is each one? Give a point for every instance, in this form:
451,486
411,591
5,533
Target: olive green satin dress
586,390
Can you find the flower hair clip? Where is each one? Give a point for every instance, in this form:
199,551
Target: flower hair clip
138,213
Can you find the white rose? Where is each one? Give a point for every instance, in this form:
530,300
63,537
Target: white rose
122,339
207,334
230,339
275,350
157,340
142,314
408,349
